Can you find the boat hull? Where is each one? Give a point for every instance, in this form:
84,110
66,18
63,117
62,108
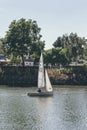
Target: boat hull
41,94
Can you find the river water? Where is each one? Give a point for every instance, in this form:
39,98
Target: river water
66,110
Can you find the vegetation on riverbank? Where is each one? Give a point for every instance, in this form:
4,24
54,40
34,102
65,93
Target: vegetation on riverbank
18,76
23,39
27,76
75,75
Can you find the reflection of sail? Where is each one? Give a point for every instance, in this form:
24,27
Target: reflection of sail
41,83
48,83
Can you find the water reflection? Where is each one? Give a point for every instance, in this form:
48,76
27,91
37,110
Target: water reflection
66,110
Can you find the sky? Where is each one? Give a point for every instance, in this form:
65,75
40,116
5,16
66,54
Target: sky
54,17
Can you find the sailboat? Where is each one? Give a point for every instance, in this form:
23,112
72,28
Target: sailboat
44,84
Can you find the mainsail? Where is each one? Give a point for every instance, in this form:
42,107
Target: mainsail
41,81
48,83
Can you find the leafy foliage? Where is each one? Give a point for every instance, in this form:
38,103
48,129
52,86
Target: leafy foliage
22,38
74,45
1,47
55,56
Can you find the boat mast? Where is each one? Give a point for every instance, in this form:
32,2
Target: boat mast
41,81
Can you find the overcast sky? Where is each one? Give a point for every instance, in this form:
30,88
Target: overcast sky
54,17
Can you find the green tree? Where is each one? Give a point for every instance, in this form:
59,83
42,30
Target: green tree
1,47
22,38
59,56
55,56
48,57
74,45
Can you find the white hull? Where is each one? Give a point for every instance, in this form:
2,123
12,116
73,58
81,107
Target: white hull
41,94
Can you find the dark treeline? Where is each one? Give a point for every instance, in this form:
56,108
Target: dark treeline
27,76
24,38
66,49
18,76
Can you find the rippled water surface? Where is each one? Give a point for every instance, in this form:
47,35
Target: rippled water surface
66,110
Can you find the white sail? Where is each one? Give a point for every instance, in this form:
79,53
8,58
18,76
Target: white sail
48,83
41,81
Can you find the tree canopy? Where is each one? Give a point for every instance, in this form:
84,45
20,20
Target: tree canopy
1,47
67,48
55,56
23,37
74,45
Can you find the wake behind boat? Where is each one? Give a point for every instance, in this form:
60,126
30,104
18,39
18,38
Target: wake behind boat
44,84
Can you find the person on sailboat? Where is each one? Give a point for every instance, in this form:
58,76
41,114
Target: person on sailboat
39,90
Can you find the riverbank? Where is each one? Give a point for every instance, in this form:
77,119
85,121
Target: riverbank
18,76
27,76
75,75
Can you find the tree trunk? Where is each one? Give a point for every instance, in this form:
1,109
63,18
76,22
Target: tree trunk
23,61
